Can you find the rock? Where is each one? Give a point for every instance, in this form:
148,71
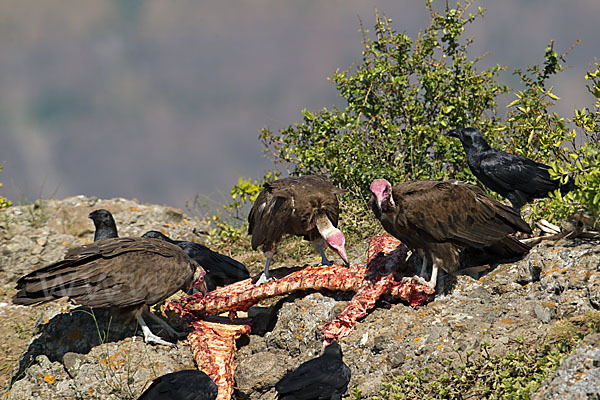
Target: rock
261,371
70,357
578,377
543,313
298,322
72,363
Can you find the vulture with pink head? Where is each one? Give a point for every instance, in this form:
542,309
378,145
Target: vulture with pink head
303,206
438,219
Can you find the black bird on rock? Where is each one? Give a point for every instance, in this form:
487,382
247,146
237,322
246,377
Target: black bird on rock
438,219
127,275
189,384
220,269
302,206
104,223
323,378
516,178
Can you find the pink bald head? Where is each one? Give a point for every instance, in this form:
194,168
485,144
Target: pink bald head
382,190
199,285
337,242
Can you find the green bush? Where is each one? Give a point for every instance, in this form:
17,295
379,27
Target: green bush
400,100
405,93
582,159
4,202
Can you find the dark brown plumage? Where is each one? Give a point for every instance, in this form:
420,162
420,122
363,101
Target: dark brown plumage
323,378
437,219
126,274
188,384
303,206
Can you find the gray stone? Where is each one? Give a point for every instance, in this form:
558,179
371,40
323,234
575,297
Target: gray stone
578,377
543,313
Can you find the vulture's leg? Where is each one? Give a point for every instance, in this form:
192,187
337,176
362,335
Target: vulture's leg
421,277
172,332
423,266
266,277
517,199
318,244
434,272
150,337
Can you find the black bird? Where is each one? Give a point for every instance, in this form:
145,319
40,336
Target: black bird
104,223
220,269
517,178
325,377
189,384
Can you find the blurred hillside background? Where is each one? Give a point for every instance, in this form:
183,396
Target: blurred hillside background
160,100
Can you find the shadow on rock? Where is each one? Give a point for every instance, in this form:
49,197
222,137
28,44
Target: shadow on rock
76,331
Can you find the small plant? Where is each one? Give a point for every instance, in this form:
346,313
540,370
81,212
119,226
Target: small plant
117,370
228,222
3,201
582,151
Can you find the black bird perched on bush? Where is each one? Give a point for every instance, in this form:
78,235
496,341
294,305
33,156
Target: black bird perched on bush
517,178
325,377
104,223
220,269
189,384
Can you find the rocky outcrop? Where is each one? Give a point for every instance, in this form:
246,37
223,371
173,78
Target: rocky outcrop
578,377
70,357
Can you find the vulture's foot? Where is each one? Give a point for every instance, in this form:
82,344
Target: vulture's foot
152,338
263,279
170,331
418,279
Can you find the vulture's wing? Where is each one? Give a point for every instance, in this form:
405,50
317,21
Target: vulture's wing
117,272
455,212
513,172
269,215
312,194
319,378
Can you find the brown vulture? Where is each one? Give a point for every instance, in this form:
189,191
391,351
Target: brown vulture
127,275
303,206
437,219
517,178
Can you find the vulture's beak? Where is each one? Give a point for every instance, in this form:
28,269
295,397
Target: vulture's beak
198,286
454,133
344,257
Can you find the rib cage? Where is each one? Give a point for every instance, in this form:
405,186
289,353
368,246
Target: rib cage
213,344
